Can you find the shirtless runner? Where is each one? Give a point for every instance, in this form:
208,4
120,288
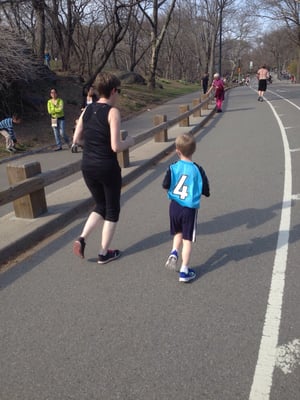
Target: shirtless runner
262,76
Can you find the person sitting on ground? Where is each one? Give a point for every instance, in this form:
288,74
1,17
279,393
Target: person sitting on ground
7,130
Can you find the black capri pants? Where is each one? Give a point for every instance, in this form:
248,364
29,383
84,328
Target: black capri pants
105,184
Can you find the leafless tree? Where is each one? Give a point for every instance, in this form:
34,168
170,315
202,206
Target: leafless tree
28,18
40,36
152,9
115,21
136,45
285,13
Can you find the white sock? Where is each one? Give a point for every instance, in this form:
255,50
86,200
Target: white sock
184,269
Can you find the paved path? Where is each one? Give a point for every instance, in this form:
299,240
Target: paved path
129,330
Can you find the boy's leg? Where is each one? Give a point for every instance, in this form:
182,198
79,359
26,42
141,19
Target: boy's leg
9,143
175,211
186,274
177,241
186,255
188,236
171,262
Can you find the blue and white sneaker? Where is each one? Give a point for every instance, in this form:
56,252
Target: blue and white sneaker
183,277
171,262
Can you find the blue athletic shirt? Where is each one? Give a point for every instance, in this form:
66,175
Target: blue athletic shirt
186,184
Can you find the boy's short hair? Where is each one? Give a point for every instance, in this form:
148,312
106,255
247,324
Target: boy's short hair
105,82
16,117
186,144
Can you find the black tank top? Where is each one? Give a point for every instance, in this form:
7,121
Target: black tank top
96,134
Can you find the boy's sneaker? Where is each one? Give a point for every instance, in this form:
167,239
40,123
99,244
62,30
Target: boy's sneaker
183,277
171,262
11,149
78,247
109,256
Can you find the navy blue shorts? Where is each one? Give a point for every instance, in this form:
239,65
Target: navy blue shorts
183,220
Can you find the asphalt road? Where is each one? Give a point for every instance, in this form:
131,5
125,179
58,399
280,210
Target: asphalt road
71,329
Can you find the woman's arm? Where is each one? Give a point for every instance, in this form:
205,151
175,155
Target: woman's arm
49,107
114,120
78,134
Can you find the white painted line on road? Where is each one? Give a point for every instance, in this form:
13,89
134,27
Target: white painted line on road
262,380
283,98
294,150
288,127
288,356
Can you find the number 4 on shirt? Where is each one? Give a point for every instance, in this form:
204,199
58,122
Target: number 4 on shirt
181,189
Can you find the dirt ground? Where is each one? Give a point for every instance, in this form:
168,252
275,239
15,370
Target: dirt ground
35,131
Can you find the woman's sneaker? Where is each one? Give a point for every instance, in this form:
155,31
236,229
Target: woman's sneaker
171,262
78,247
109,256
183,277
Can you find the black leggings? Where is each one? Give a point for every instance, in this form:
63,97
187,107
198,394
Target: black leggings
105,187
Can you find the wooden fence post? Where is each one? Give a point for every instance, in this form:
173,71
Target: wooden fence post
203,98
123,156
182,110
161,136
198,112
33,204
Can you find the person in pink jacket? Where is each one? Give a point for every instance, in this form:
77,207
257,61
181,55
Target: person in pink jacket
218,86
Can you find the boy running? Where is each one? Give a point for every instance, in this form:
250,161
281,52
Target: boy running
186,182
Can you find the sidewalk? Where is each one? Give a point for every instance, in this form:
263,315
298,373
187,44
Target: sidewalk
66,203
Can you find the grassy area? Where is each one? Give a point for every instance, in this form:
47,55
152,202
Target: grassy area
136,98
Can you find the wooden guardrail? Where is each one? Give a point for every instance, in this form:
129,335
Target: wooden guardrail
28,182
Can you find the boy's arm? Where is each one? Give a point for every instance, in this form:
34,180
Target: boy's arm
167,180
205,182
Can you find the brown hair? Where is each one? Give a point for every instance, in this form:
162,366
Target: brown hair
186,144
16,117
105,83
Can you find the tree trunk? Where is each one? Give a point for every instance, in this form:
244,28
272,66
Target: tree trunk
40,37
